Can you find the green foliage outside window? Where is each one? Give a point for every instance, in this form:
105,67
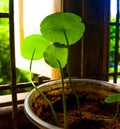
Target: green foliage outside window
4,52
4,5
112,40
112,47
21,75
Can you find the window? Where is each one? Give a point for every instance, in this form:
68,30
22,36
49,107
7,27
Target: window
4,43
8,43
114,69
27,23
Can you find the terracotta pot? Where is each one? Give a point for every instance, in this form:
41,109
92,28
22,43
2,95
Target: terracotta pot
89,87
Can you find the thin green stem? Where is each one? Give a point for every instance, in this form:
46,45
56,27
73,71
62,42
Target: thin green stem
64,97
114,116
116,113
41,93
69,73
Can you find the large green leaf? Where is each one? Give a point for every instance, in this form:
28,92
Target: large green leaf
113,98
33,43
55,26
55,53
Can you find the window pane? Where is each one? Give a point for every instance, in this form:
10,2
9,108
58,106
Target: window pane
112,47
114,40
113,9
29,23
111,79
4,6
4,52
119,52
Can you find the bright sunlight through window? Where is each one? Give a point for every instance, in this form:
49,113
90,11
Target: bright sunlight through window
33,12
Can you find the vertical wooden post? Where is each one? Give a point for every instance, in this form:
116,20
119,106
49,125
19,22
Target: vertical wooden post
12,63
58,7
55,74
21,21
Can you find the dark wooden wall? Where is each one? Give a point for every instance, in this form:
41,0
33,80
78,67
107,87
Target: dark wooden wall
90,56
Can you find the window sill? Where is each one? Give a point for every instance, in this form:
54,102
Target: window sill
6,100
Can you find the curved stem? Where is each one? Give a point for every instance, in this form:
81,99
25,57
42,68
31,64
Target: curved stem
116,113
114,116
69,74
63,96
41,93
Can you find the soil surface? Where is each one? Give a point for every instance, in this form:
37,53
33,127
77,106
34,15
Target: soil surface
94,113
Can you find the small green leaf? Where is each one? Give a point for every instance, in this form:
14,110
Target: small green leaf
55,26
33,43
55,52
112,98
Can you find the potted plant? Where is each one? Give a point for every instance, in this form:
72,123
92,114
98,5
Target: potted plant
59,31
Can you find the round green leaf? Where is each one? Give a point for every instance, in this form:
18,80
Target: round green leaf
55,53
55,26
112,98
33,43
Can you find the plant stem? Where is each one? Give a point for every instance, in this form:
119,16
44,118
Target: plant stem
116,113
64,97
69,74
114,117
41,93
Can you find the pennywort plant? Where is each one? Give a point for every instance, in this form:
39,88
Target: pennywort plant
58,32
115,98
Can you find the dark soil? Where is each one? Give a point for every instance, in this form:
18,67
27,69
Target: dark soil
93,113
